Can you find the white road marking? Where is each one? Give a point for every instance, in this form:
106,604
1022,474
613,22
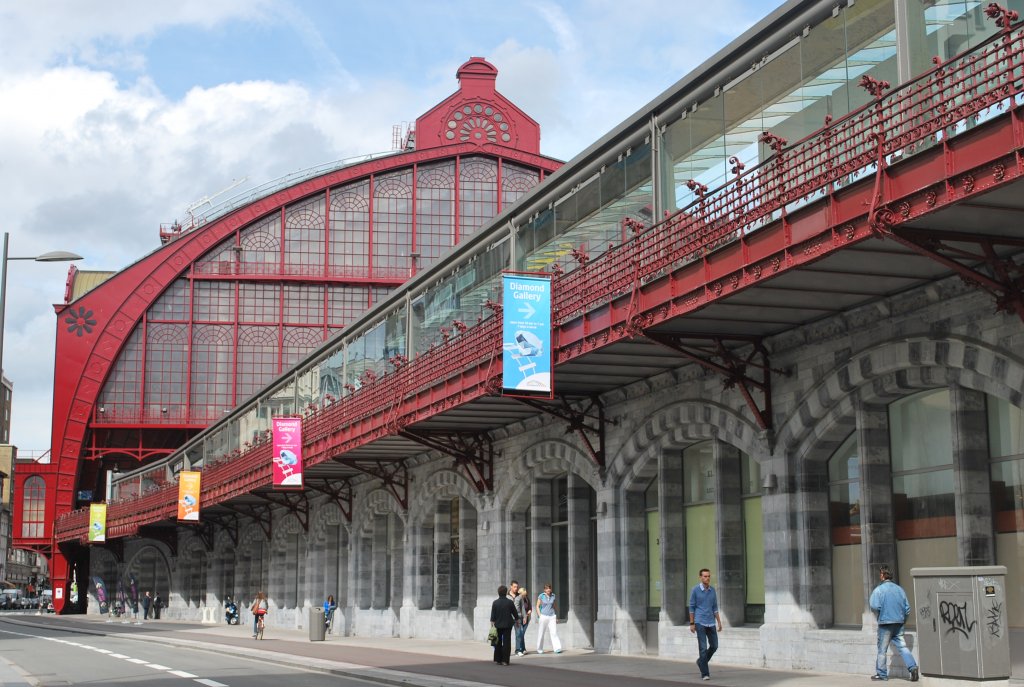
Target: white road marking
137,661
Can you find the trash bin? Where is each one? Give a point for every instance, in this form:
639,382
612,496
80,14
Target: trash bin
316,624
962,626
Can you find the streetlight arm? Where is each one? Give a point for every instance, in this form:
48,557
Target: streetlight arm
52,256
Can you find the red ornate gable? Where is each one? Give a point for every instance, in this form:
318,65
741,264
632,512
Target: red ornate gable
477,114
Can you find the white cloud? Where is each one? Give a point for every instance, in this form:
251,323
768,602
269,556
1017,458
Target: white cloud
94,155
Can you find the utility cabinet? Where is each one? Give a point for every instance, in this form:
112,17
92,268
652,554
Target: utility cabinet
962,630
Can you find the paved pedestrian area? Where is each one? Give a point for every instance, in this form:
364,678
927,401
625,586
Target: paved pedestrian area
445,663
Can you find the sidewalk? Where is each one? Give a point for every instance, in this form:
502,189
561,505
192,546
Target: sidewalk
442,663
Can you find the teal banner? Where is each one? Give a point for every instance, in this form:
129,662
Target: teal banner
526,335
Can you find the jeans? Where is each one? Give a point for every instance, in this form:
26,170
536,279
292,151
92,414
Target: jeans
707,642
521,636
892,633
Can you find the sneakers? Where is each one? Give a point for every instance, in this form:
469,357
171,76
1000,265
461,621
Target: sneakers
915,674
540,651
706,677
558,651
879,678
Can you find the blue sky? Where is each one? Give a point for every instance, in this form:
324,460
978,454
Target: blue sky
115,115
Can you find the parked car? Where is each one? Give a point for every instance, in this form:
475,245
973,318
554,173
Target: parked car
11,598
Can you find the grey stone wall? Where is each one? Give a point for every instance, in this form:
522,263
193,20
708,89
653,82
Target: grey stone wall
841,374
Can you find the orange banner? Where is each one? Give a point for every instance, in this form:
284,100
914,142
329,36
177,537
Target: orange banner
188,496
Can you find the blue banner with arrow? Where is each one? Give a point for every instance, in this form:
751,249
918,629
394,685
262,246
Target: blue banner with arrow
526,335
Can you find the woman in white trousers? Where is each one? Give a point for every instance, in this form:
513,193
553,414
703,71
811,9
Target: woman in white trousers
547,620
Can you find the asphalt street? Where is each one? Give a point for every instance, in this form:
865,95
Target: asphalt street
47,651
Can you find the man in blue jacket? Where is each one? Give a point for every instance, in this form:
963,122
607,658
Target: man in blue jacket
705,621
890,604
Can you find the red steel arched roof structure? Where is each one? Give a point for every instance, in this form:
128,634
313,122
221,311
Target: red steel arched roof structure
166,346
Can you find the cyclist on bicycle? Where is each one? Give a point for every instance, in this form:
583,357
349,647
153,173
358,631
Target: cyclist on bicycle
259,610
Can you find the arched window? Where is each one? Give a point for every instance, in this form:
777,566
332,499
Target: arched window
435,211
478,195
33,508
844,520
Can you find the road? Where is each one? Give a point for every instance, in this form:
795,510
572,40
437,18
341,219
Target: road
32,656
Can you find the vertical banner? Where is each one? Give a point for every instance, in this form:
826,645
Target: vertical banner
101,594
97,522
287,436
526,335
188,495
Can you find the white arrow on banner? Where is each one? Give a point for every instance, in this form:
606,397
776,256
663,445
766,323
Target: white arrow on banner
526,310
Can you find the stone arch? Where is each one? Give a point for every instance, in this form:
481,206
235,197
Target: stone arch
326,514
380,501
151,565
826,415
251,571
444,578
287,562
223,566
676,425
441,483
193,567
546,458
374,552
889,369
328,554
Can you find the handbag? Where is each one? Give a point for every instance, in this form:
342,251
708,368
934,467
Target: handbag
492,635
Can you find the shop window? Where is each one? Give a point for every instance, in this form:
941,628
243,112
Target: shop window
699,508
454,586
922,466
1006,447
753,538
844,523
653,517
560,544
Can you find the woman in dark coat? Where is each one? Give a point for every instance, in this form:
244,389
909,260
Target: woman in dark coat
503,618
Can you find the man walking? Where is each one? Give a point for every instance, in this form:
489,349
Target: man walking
705,621
147,603
889,602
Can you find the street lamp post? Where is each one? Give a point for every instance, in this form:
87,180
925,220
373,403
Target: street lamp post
52,256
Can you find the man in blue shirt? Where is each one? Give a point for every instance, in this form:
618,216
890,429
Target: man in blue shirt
889,602
705,621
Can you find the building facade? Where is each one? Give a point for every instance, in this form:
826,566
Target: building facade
855,401
230,302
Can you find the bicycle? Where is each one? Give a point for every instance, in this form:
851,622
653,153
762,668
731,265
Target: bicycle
260,625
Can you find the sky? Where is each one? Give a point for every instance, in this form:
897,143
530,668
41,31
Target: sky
117,115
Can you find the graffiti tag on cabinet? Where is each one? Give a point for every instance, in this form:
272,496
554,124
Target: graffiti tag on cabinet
954,616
